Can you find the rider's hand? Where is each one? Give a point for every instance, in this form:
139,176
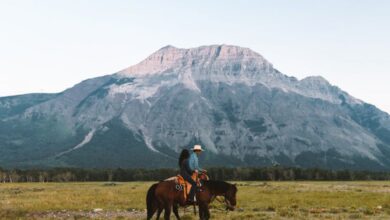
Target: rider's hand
196,171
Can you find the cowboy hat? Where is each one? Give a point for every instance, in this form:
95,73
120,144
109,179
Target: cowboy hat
197,147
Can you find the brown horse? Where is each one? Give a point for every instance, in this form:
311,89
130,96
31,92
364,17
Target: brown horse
166,195
212,189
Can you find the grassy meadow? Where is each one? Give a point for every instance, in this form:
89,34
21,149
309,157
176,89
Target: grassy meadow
256,200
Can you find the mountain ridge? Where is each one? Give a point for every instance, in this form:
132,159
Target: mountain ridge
227,98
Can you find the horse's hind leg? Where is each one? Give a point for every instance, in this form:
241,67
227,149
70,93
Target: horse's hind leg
159,210
150,212
176,211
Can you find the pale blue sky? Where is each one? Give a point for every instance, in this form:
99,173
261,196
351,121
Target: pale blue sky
50,45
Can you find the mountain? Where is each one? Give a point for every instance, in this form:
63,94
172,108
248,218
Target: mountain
229,99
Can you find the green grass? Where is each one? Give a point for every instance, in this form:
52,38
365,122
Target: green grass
256,200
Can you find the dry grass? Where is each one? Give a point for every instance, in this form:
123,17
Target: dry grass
256,200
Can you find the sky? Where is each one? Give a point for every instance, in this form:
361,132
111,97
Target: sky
50,45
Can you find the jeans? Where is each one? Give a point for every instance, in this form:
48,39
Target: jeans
193,184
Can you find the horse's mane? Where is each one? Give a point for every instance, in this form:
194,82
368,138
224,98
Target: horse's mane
218,187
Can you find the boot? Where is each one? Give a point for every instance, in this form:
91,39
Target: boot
191,201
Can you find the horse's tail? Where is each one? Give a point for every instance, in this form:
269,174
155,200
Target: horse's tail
151,201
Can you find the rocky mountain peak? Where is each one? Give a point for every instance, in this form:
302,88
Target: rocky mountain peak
170,57
224,52
218,64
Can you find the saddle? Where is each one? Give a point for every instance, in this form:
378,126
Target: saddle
183,185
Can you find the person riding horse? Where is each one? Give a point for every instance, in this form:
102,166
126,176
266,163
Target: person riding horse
166,195
188,166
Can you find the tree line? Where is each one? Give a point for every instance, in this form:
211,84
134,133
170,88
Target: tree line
276,173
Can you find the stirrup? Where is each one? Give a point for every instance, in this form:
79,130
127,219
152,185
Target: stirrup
193,201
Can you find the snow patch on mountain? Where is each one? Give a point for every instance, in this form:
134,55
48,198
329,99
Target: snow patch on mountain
148,142
85,141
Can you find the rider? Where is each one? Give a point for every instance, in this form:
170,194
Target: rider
193,160
189,166
193,164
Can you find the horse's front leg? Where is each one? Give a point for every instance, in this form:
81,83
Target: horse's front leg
207,212
176,211
204,213
167,211
200,212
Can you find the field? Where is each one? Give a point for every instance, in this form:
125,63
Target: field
256,200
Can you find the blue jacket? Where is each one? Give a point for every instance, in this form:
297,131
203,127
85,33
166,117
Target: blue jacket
193,162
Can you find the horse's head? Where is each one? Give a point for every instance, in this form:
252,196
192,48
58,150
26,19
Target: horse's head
230,197
203,176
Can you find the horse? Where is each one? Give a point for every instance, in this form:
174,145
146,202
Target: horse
165,196
212,189
170,195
